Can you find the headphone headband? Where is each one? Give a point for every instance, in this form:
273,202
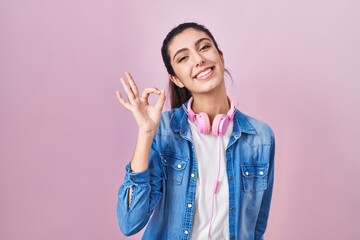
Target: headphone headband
192,115
201,120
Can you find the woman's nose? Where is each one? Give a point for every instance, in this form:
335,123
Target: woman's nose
199,60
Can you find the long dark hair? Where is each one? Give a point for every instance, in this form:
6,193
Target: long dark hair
180,95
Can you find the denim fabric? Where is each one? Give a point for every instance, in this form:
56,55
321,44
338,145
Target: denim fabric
165,192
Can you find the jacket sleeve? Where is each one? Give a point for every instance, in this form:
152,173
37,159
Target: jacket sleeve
265,204
146,193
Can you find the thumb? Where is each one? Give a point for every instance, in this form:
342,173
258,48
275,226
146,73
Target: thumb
161,100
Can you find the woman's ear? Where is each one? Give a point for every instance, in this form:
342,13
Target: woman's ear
176,81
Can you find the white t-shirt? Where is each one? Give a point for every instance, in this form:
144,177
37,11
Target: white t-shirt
207,155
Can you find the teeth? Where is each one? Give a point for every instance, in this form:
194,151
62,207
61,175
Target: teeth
202,74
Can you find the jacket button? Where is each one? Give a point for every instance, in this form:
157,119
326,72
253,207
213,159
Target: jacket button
261,173
232,209
247,173
179,166
189,205
231,177
186,232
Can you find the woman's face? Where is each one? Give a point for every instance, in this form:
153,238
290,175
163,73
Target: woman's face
197,63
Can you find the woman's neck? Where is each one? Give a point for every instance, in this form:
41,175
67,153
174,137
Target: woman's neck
211,104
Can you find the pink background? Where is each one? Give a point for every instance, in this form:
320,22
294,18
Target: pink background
65,139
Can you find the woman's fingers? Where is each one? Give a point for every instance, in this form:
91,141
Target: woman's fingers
160,102
147,91
134,100
132,84
127,89
122,101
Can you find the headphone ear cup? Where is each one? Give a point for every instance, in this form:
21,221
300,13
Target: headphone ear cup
216,124
220,124
203,123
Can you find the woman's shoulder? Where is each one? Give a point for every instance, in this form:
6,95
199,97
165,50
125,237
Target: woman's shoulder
171,114
258,126
171,119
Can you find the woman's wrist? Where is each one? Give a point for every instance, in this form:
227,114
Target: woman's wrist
146,133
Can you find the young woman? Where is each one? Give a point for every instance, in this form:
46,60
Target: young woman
203,170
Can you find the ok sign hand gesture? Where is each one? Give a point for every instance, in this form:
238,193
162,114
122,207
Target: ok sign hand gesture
146,116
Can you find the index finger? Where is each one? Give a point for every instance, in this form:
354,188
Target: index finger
148,91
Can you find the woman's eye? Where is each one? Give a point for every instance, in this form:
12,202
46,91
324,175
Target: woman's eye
182,59
205,47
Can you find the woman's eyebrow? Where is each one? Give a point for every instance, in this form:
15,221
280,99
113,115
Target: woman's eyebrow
196,43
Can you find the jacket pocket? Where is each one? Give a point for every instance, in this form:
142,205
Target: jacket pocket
254,177
174,168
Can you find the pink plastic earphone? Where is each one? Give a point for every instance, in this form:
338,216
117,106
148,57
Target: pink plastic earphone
202,122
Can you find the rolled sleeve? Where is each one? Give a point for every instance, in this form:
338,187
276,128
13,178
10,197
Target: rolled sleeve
146,191
130,211
136,179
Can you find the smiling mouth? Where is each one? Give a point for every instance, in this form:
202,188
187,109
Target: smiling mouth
204,74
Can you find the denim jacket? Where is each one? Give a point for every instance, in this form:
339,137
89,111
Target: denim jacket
165,192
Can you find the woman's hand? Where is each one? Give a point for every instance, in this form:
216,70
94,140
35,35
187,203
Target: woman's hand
146,116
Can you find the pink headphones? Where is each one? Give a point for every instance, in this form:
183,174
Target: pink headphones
202,122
